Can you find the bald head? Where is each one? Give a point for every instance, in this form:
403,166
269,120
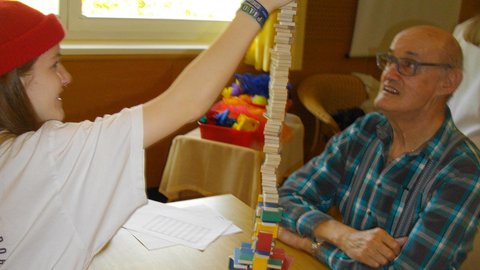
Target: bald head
436,41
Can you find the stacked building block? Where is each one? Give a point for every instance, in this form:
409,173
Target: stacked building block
261,253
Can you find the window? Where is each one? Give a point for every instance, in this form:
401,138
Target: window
154,24
149,26
161,9
47,6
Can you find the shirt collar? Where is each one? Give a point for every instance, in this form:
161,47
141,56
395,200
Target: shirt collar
431,149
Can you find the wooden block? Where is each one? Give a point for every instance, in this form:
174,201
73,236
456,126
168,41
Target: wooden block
266,227
244,254
232,265
274,263
271,216
264,242
260,262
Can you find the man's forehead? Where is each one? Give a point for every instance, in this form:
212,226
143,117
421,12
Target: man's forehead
415,44
411,53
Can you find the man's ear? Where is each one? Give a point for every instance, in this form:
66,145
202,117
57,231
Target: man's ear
452,80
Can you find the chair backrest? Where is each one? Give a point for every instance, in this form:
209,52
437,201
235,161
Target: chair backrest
325,94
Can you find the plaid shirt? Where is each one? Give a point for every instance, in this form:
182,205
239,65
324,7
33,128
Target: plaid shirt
353,174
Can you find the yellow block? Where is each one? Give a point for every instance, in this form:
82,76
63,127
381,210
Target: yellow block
260,262
266,227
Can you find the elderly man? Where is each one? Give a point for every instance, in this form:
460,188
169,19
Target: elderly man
405,180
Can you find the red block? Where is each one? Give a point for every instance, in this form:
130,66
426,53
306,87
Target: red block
264,241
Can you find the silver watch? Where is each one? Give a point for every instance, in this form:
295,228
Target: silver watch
316,246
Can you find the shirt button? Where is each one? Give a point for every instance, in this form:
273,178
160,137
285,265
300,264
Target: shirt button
369,212
378,183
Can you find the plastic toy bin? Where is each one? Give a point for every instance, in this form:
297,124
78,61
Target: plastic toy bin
251,139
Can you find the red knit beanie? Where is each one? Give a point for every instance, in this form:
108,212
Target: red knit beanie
25,34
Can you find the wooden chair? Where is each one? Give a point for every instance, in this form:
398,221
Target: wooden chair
324,94
473,257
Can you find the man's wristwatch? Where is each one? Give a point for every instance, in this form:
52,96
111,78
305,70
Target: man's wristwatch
316,246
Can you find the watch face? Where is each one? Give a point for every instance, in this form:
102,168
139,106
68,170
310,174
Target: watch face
315,246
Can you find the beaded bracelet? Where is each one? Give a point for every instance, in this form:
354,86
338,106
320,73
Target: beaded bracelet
256,10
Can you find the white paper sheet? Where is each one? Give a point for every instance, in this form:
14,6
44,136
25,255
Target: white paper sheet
206,211
151,242
159,225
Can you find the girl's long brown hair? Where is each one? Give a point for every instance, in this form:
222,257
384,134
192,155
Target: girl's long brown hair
16,112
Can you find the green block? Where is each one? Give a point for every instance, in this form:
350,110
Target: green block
271,216
275,263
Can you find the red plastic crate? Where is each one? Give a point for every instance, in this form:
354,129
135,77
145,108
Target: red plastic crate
251,139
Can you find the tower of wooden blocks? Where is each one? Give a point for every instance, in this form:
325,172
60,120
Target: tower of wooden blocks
261,253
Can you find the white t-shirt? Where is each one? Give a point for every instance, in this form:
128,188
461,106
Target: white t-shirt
67,188
465,102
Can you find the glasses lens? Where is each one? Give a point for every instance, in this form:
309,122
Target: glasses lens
407,67
382,60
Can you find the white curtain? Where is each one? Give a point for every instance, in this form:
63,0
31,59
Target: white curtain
378,21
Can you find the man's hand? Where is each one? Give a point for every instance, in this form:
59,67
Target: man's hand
373,247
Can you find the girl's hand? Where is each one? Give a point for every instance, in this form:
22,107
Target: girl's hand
272,5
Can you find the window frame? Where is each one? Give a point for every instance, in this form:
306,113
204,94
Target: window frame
163,31
95,36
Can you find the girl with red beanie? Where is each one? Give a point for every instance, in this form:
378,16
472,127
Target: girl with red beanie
66,188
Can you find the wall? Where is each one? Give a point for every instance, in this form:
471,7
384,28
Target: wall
328,35
106,84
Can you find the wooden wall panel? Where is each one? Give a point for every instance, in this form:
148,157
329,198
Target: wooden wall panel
469,9
328,35
105,84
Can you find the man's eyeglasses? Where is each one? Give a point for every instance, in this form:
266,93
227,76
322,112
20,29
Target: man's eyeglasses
405,66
